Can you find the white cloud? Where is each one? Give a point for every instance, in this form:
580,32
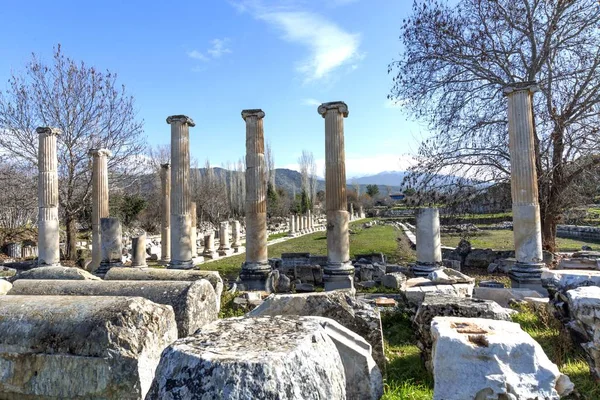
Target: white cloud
217,49
311,102
329,46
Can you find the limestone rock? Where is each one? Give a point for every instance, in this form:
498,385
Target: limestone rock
503,296
193,302
338,305
56,273
563,280
449,276
439,305
480,258
81,347
395,280
5,286
289,358
476,358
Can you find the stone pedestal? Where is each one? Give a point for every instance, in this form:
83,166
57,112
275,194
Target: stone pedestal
224,244
181,219
292,223
194,231
99,200
112,245
429,245
524,188
138,251
48,224
209,247
256,268
165,207
338,273
236,237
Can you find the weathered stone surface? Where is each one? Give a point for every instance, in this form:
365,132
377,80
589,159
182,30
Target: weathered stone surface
584,309
449,276
480,258
503,296
338,305
395,280
193,302
234,359
64,347
563,280
56,272
363,377
439,305
160,274
414,296
476,358
5,286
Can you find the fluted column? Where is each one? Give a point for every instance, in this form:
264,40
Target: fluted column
181,220
338,273
524,187
194,231
112,245
48,224
165,206
99,200
256,268
429,245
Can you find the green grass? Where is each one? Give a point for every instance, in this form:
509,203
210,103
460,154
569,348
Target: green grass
557,345
381,239
503,239
277,236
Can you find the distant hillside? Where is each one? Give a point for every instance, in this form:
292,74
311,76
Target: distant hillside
386,178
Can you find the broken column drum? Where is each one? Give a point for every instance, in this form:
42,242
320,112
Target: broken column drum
112,245
524,188
194,230
236,239
224,246
429,245
165,224
48,224
209,246
181,220
99,200
138,251
338,273
256,268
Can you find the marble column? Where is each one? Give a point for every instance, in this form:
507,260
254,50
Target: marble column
361,212
99,200
224,243
236,237
209,246
429,245
165,206
112,245
292,226
338,274
48,224
194,230
181,220
309,221
524,188
298,228
256,268
351,211
138,251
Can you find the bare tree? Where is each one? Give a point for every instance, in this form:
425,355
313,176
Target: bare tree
90,109
209,190
308,169
455,64
270,164
18,201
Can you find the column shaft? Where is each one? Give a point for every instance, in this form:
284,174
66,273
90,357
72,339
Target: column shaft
99,200
194,231
165,226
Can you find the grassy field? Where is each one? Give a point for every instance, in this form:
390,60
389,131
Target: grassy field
502,239
378,238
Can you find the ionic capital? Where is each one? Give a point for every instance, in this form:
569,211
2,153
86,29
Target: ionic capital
339,106
258,113
512,88
99,153
48,131
183,119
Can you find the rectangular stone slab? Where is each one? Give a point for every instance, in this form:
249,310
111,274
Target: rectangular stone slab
72,347
194,303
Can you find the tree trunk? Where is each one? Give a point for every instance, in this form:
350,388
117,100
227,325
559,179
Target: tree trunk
549,222
71,245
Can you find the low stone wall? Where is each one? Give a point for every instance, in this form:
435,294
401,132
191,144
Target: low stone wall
587,233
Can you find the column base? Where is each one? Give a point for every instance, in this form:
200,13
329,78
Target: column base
104,267
164,261
254,276
213,255
225,252
424,269
239,250
528,276
338,276
181,264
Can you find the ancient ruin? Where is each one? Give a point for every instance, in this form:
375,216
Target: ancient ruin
99,200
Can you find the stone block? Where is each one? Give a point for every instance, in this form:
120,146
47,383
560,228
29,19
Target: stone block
449,276
503,296
65,347
194,303
394,280
480,258
338,305
5,286
476,358
231,358
563,280
57,272
439,305
162,274
414,296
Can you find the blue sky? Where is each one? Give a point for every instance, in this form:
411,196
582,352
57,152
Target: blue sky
210,59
